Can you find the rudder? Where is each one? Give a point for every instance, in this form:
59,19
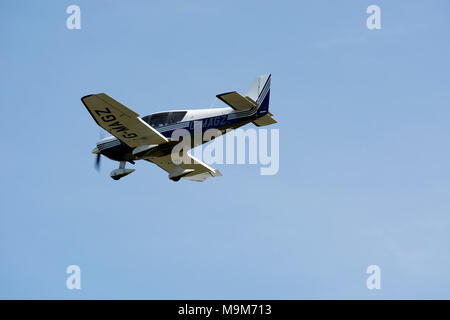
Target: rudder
259,92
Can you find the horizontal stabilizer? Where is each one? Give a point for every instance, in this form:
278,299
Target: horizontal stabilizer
236,101
265,120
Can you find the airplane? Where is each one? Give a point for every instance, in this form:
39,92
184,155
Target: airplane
149,138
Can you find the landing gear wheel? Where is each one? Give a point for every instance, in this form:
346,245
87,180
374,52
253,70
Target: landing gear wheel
121,172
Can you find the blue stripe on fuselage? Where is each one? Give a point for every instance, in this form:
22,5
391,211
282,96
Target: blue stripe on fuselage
117,152
216,122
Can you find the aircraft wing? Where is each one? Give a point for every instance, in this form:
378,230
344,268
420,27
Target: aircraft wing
196,170
121,122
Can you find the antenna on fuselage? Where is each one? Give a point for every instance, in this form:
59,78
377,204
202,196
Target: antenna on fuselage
211,105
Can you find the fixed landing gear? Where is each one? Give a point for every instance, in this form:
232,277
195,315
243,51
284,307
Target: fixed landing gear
121,172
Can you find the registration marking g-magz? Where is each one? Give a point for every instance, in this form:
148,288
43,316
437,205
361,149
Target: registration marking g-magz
107,116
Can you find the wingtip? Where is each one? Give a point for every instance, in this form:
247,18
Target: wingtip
90,95
86,96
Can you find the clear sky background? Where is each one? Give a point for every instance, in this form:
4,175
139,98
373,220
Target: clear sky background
364,151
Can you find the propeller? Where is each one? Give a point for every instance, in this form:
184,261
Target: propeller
101,135
97,161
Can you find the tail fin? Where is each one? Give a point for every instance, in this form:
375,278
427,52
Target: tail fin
259,91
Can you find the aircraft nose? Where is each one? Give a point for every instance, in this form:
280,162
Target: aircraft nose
96,150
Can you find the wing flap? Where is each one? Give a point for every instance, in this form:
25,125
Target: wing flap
197,170
120,121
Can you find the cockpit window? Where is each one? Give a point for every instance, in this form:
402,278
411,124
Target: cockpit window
176,116
161,119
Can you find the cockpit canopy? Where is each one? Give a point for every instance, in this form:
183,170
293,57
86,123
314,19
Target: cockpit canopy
161,119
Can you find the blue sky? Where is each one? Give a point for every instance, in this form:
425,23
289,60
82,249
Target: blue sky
364,151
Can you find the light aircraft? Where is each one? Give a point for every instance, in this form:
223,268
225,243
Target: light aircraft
149,137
